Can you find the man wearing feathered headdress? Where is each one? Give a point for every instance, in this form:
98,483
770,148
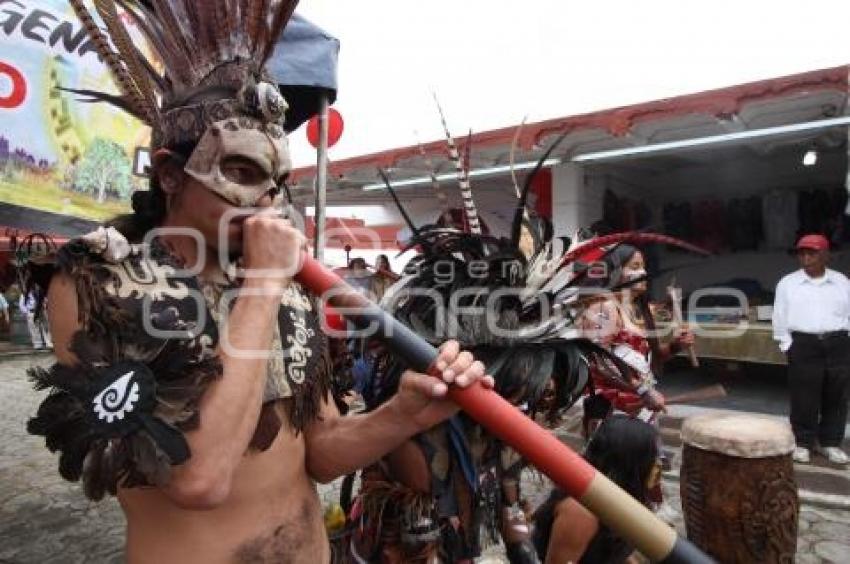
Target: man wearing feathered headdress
517,302
193,376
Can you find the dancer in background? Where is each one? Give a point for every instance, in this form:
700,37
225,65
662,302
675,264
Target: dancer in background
383,278
626,451
38,329
618,318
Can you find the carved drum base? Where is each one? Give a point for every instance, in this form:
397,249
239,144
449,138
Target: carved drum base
740,509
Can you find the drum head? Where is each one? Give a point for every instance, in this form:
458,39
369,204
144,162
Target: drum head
743,436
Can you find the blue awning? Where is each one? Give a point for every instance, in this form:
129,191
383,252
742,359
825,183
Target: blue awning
304,66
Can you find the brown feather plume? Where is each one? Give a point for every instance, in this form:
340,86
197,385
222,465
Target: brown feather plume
155,33
281,17
202,46
254,20
110,58
179,65
137,75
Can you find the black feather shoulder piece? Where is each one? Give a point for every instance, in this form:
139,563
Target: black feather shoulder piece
145,356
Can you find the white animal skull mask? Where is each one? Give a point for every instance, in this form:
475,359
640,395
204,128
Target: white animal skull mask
261,147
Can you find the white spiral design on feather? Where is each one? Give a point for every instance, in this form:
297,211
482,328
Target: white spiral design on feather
117,399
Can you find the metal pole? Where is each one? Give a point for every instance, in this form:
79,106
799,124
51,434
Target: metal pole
321,181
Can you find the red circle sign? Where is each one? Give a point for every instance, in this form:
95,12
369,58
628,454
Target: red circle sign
335,127
19,87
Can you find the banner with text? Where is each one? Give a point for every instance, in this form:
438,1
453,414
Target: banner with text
58,153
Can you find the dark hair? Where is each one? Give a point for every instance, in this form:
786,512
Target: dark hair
625,450
385,259
148,213
620,256
601,228
616,260
148,205
357,262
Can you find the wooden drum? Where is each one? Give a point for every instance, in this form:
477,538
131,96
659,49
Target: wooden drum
737,486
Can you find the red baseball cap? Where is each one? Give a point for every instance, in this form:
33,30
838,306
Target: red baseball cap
814,242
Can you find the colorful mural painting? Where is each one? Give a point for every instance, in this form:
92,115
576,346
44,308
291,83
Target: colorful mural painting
59,153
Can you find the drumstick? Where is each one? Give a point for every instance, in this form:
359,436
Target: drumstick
701,394
613,506
676,299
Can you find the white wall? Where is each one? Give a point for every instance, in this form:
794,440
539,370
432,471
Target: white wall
576,199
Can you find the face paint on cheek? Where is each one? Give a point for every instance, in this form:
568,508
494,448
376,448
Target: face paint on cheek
245,138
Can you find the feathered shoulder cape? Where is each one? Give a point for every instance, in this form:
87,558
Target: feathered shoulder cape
146,352
145,356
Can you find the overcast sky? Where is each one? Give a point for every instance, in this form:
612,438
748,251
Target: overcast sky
492,62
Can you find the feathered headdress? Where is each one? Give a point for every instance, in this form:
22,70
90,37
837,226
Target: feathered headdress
212,54
515,308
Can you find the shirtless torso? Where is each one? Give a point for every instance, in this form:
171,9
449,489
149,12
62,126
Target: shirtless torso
273,514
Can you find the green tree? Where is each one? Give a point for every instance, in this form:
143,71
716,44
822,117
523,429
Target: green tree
104,169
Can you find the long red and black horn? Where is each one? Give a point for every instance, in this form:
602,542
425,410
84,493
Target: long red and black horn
591,247
568,470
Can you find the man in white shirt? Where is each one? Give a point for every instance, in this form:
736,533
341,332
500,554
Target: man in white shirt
811,318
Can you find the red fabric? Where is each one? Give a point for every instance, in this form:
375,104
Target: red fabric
710,216
622,400
541,186
814,242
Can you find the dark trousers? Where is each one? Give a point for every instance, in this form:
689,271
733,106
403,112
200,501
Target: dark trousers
819,385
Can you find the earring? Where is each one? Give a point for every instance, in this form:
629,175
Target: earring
654,477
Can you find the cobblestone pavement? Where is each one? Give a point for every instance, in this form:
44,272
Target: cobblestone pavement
44,519
823,534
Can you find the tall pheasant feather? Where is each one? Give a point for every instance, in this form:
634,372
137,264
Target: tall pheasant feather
469,208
